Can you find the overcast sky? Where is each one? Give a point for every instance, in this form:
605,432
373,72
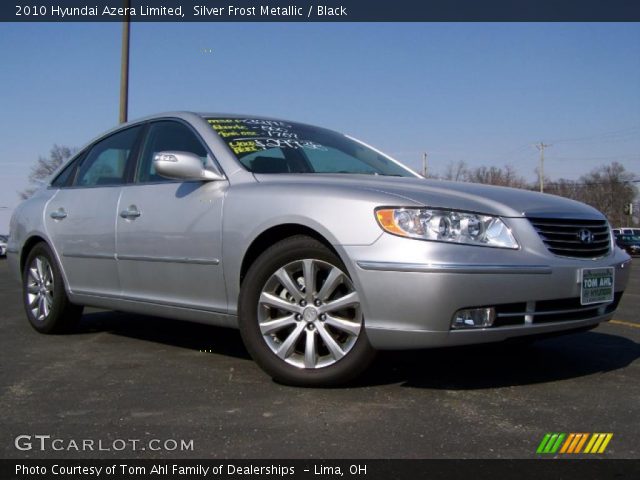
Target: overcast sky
482,93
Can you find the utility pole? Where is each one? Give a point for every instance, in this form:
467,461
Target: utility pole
541,146
628,209
124,66
424,164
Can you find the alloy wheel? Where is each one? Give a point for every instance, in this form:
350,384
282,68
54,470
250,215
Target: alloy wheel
309,313
40,285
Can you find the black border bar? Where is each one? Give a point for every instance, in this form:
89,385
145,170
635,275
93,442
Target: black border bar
332,11
357,469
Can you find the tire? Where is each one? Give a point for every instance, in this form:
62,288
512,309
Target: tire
303,338
44,296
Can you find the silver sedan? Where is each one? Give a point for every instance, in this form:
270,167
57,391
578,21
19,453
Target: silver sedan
318,247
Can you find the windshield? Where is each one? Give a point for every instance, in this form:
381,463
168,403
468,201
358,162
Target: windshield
270,146
3,238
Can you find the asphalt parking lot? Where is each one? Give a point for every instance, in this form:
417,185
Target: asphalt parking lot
124,376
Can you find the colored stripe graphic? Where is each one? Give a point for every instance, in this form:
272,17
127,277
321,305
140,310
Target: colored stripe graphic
556,445
592,441
581,443
569,443
551,443
572,443
605,443
543,443
598,442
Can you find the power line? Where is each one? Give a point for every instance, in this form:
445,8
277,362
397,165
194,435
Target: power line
604,135
516,151
631,156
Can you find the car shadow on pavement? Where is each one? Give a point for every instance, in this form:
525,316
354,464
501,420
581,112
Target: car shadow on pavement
503,364
193,336
457,368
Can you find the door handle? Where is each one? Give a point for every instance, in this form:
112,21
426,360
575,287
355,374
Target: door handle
59,214
130,213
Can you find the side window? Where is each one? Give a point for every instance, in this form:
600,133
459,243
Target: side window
271,160
165,136
106,162
65,177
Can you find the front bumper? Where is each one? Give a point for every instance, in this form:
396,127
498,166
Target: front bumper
410,290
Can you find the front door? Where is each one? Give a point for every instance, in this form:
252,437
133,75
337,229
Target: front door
169,232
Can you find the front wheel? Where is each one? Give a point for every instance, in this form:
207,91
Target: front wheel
300,315
45,299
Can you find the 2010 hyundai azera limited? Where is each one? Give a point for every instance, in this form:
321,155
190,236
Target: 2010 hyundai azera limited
318,247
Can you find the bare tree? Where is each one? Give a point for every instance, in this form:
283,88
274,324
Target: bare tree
504,177
456,171
609,188
46,166
564,188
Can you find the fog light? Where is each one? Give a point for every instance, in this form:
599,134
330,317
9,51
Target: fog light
473,318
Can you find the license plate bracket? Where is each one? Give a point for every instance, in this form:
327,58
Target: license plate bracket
596,285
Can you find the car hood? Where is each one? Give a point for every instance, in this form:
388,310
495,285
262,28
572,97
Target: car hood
405,191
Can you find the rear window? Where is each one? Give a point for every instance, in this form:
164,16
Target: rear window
274,146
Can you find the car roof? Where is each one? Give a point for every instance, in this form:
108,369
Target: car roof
190,116
181,114
187,115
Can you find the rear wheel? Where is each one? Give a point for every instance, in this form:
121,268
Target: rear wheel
45,300
300,315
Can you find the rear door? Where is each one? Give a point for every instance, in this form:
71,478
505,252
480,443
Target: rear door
81,218
169,232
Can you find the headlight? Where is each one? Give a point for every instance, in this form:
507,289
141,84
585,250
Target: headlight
446,226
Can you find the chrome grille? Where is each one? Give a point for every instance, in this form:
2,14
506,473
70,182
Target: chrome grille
574,238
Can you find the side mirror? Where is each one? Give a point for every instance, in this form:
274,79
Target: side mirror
182,166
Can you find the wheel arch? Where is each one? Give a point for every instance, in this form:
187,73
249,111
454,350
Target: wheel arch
28,245
35,238
277,233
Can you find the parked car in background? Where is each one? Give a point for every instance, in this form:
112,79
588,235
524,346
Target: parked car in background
3,245
318,247
626,231
629,243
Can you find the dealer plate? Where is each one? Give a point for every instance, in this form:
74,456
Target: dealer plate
596,285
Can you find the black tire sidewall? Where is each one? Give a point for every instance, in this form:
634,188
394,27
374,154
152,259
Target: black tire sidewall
282,253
